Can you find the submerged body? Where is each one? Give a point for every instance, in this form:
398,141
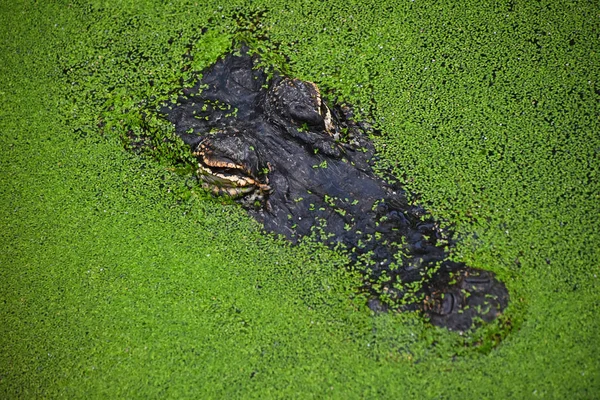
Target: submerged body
302,168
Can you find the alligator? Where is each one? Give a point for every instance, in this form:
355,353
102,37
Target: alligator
304,167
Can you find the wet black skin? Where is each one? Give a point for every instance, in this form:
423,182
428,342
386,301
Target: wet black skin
314,168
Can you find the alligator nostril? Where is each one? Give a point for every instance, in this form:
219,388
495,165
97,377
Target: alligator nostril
477,280
447,304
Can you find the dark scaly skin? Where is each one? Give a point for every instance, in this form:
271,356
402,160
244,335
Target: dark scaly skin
301,167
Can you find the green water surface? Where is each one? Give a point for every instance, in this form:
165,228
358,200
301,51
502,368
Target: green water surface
121,278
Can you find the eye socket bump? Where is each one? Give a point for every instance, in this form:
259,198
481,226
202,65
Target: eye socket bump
305,113
300,102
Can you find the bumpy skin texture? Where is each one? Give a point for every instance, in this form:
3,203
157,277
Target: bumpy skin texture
301,167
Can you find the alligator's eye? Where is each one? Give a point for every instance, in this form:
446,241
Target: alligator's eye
300,102
297,101
228,165
327,119
305,112
320,106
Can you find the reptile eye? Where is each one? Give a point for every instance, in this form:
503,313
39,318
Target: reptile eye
328,120
297,101
305,112
228,165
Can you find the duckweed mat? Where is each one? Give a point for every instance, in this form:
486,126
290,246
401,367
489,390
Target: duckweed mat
121,278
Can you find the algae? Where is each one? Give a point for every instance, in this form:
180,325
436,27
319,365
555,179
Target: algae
121,278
